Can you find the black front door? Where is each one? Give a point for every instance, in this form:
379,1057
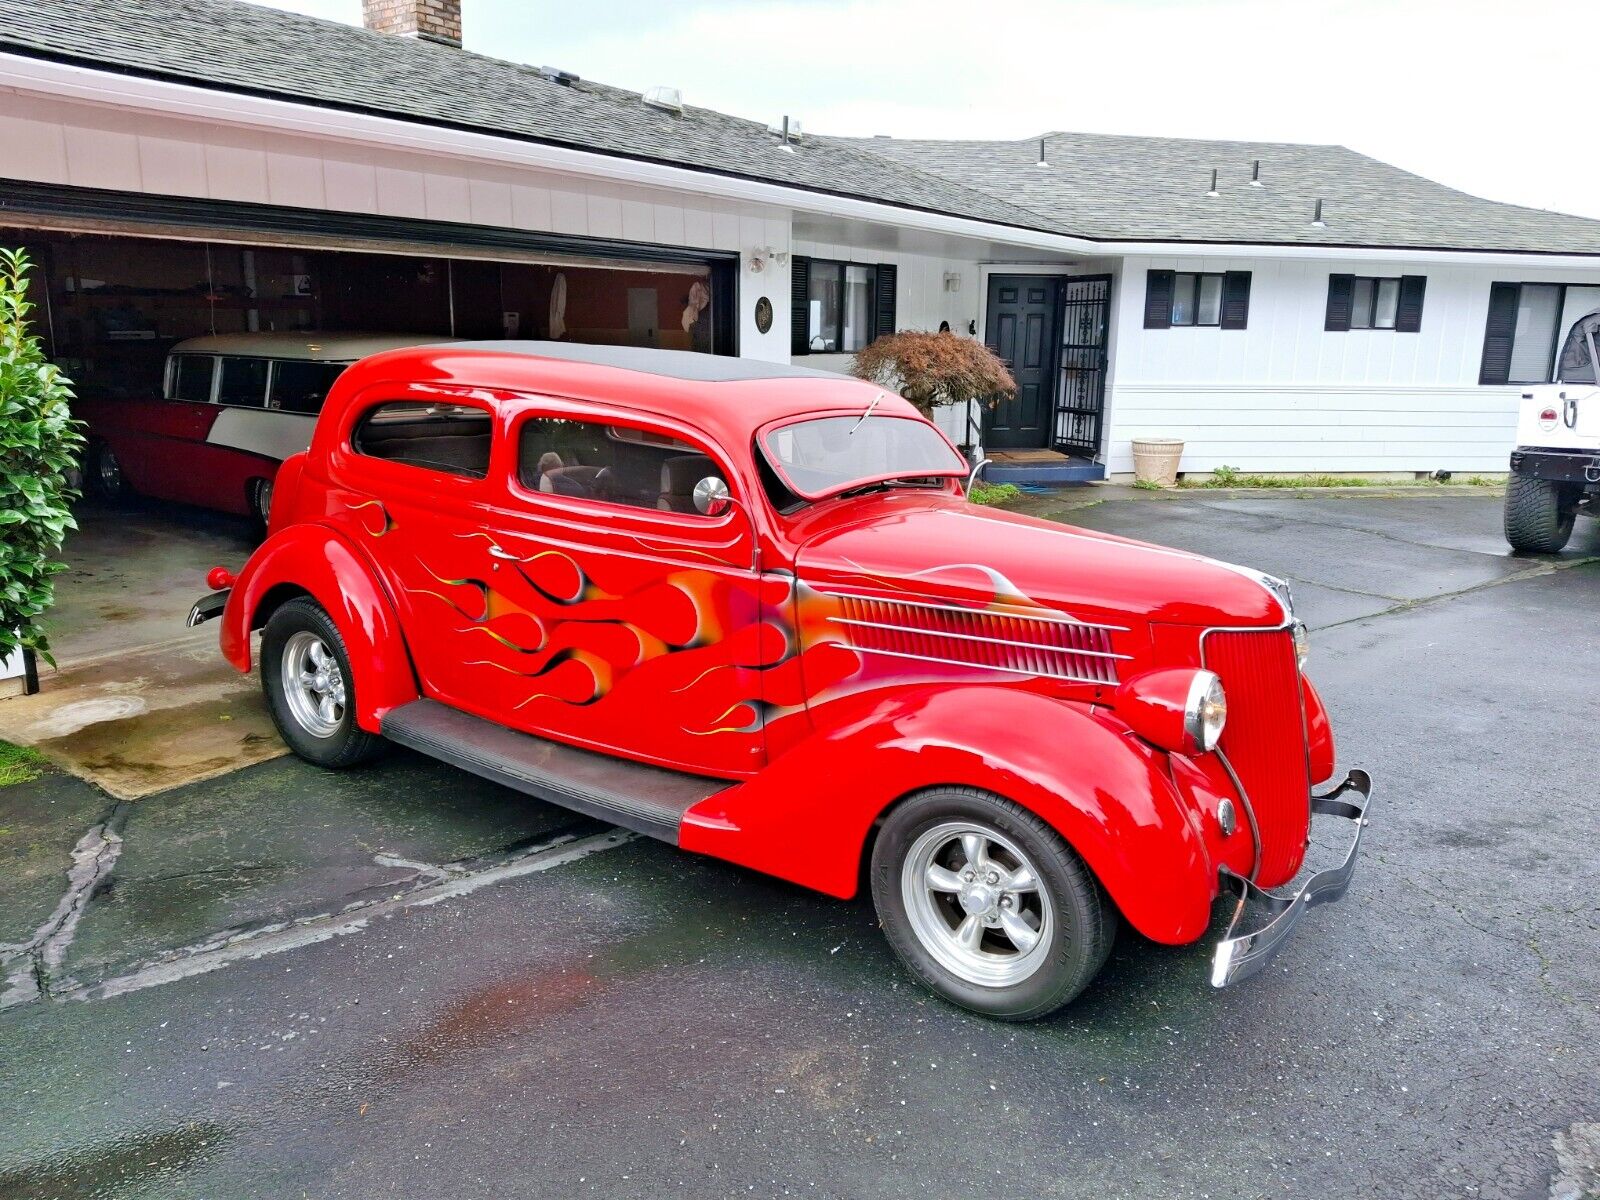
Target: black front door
1021,329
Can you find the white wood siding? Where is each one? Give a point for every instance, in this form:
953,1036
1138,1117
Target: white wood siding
921,302
50,140
1285,395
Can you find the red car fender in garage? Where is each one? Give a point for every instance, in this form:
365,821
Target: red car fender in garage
1106,792
313,559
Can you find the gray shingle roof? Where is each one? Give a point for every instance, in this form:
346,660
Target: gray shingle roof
1148,188
1096,186
245,47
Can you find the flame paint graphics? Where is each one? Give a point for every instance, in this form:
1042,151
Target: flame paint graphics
373,517
607,635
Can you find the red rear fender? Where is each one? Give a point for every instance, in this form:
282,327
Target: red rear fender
806,817
314,560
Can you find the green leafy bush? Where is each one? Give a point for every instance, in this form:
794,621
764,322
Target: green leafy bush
39,442
993,493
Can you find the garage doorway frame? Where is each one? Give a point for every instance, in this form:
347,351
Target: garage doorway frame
143,214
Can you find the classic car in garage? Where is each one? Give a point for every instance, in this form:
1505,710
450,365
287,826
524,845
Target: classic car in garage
746,608
231,409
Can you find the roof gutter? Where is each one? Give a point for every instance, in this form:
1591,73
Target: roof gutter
137,93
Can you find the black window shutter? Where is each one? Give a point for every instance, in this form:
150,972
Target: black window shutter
1235,299
799,305
1498,332
1408,316
1339,289
1158,300
883,307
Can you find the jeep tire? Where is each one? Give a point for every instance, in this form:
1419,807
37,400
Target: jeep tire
1539,513
987,905
310,691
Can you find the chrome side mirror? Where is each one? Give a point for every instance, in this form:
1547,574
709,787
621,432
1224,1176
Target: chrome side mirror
973,477
711,496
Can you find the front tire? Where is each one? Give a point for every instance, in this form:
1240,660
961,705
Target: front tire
1539,514
305,675
987,905
259,497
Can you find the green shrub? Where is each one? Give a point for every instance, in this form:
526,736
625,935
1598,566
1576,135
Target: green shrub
18,764
38,445
993,493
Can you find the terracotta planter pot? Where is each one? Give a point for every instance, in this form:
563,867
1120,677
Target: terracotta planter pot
1155,460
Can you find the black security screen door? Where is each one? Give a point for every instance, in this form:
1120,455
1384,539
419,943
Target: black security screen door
1021,329
1081,393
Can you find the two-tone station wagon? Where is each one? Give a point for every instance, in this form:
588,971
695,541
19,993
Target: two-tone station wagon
746,608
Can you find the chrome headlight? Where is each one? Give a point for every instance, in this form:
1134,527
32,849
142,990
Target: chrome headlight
1302,643
1206,711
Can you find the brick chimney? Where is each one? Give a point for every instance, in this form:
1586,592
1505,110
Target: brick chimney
432,20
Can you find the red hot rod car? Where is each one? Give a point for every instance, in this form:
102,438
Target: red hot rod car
746,608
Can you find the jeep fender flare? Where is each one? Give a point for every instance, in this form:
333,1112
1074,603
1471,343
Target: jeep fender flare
316,561
1107,793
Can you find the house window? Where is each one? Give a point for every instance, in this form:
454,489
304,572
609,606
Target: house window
1373,302
1196,299
1220,300
1526,326
839,307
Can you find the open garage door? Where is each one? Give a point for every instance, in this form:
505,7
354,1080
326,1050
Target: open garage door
122,281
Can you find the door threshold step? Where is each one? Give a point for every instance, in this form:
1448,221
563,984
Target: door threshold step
648,800
1042,468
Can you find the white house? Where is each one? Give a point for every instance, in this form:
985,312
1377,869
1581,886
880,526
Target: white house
190,166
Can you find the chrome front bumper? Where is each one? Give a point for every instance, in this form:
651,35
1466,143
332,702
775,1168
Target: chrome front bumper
1240,955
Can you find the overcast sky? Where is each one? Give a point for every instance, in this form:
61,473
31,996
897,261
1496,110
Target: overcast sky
1492,98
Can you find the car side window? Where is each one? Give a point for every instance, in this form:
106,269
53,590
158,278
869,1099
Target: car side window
301,387
243,382
191,377
452,438
614,464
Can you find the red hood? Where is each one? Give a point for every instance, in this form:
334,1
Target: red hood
940,548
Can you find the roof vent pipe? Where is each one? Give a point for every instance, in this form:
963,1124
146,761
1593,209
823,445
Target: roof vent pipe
668,99
788,131
1316,218
1213,190
1255,174
1041,162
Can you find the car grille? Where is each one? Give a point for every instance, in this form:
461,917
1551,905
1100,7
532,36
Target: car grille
1265,739
1025,645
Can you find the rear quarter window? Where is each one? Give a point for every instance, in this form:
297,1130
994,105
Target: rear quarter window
452,439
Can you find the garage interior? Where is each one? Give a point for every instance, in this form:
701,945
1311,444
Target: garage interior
136,702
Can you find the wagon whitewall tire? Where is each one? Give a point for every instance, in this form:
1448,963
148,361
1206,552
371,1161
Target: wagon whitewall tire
310,689
104,473
986,904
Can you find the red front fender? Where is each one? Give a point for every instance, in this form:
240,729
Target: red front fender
315,560
807,816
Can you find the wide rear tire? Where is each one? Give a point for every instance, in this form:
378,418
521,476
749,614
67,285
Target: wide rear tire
1539,514
310,691
987,905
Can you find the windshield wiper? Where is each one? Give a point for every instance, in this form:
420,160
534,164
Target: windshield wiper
868,413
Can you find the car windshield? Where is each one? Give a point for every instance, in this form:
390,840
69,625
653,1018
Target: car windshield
828,455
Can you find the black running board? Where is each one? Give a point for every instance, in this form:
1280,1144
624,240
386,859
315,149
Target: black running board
647,800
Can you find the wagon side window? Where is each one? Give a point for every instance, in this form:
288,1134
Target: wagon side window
452,438
243,382
301,387
191,377
614,464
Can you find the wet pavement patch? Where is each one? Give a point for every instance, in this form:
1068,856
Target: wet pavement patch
40,821
286,839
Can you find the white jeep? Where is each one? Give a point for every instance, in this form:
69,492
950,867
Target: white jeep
1555,468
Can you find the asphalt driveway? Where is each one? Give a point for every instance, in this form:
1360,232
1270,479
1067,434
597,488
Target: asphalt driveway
404,982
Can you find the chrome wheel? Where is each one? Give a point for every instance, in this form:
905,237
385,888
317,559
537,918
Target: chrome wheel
313,684
977,904
108,471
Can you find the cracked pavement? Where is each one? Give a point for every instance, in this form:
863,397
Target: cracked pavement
404,982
